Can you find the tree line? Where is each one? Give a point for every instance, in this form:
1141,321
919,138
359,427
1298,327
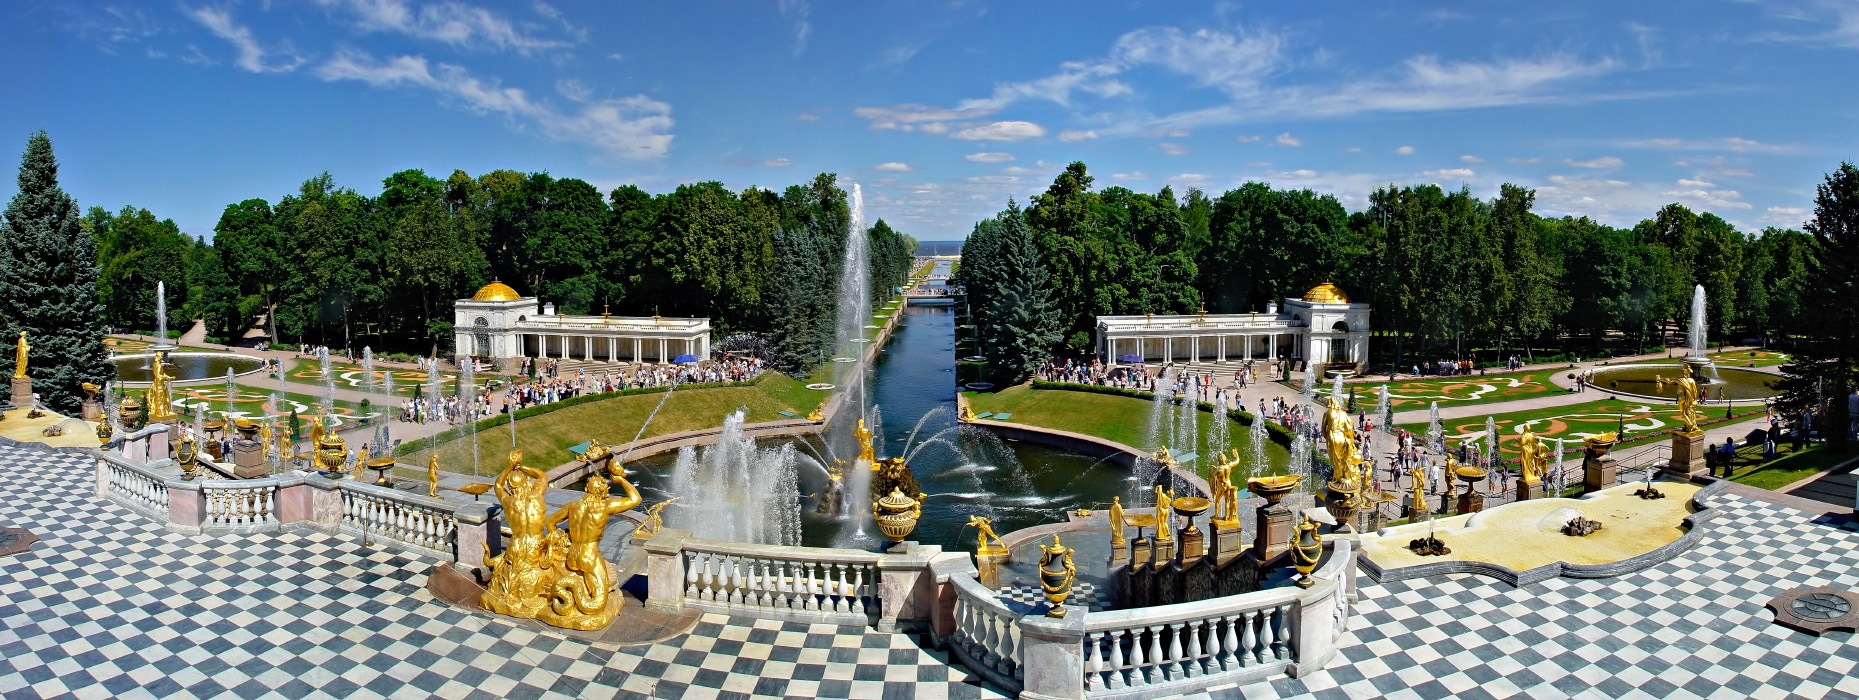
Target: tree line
1445,271
328,265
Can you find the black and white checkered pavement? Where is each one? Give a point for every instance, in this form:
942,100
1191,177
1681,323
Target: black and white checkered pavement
111,605
1027,599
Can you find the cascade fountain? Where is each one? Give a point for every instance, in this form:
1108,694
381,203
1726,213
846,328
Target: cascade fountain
1702,369
1255,454
1301,465
1436,435
733,490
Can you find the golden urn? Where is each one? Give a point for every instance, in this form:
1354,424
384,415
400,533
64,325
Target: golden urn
104,430
188,455
247,428
332,452
1056,573
130,410
897,515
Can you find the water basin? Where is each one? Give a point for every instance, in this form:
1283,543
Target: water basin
185,366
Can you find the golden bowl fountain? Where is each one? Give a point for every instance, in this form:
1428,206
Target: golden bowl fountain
1470,472
1273,488
897,515
381,465
247,428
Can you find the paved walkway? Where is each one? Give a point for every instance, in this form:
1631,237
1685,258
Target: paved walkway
111,605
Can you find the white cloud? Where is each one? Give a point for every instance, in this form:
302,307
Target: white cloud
1405,150
1075,136
1285,139
1173,149
1733,144
914,117
1597,163
1709,199
1785,217
797,11
1189,180
1137,176
1524,161
252,55
1695,183
893,167
628,127
1353,149
454,23
1299,174
1243,138
777,162
988,157
1469,158
1450,174
1001,131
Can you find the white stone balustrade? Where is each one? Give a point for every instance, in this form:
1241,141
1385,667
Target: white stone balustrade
241,505
811,584
134,484
421,523
987,637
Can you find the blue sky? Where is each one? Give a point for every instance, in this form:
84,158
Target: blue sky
944,110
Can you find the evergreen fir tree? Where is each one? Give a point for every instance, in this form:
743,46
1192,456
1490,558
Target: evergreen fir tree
48,284
1826,362
797,303
1019,322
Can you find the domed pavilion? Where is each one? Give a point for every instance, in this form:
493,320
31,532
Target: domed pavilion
1321,330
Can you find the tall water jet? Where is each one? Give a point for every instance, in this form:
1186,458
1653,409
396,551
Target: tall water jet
232,393
1697,331
1381,407
161,313
1436,435
367,367
1310,384
734,491
1491,441
329,383
1159,400
468,407
1305,497
1255,458
433,387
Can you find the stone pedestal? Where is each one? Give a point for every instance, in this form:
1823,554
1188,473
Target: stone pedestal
1528,491
91,410
248,459
1274,533
1597,472
1471,502
1229,542
989,566
22,392
1688,455
1164,551
1052,650
1193,544
1119,553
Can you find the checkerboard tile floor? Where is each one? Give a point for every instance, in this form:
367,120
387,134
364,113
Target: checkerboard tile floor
110,605
1029,599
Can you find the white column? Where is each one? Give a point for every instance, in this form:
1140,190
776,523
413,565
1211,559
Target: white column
1168,349
1222,348
636,348
661,351
613,349
1140,355
1271,347
1194,348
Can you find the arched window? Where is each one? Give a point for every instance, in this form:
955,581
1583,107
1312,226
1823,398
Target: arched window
1340,327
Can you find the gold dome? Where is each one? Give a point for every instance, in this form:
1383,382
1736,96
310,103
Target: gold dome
496,291
1326,293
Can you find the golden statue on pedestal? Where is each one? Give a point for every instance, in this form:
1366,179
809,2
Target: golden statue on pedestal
654,519
1532,460
19,357
519,575
160,400
1116,522
580,597
963,412
1339,434
1164,500
432,475
863,436
985,528
818,413
1687,399
1226,495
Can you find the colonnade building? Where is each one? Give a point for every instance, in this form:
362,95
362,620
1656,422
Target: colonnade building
499,323
1323,328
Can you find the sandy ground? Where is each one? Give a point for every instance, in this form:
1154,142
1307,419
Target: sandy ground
1523,536
16,426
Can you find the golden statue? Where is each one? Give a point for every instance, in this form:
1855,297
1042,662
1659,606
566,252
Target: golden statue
19,358
1687,399
1116,522
1339,433
264,436
1163,504
963,412
361,463
1595,442
985,528
519,574
1165,458
894,475
160,400
316,432
864,444
595,451
654,518
818,414
1420,489
1533,462
580,598
432,474
1226,496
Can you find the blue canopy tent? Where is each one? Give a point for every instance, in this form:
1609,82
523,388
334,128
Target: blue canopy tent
685,359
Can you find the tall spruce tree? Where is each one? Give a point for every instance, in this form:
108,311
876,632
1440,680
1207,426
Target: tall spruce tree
1827,359
48,284
1019,322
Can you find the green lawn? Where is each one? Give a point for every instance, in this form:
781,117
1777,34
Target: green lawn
1118,418
545,439
1787,468
1450,391
1573,422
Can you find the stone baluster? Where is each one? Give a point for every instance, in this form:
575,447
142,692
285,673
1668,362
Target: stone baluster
1249,645
1176,666
1280,647
1229,644
691,563
1193,660
1009,663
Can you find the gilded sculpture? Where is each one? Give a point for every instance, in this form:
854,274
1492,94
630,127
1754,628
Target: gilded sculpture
654,518
519,575
1339,434
863,436
19,357
1687,395
1226,495
579,596
432,475
985,531
1163,502
1116,522
160,400
1533,461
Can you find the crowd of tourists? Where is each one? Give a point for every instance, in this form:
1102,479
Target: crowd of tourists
552,383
